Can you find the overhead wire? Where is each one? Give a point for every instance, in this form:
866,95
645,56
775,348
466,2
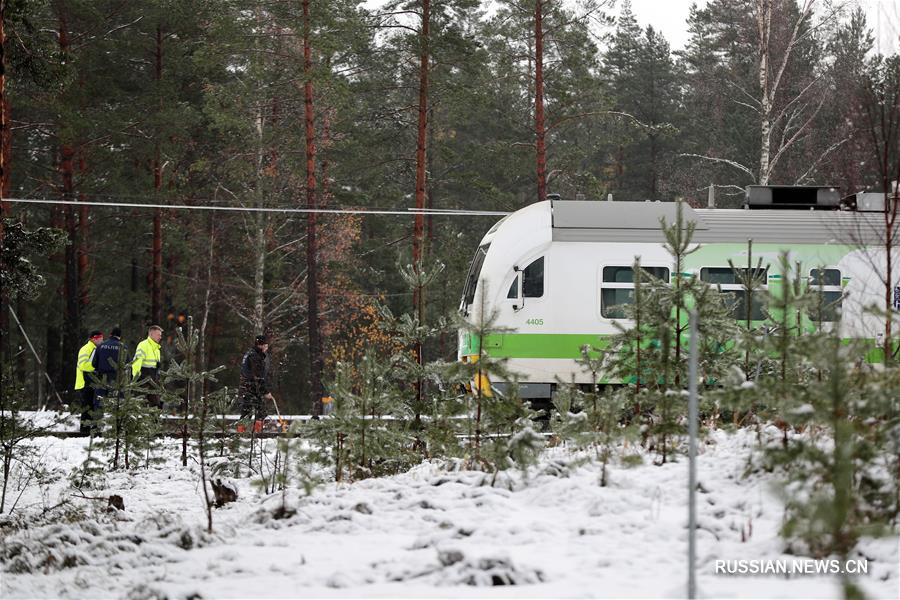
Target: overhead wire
266,209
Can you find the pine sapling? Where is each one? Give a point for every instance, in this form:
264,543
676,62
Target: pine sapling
126,414
186,375
15,430
481,370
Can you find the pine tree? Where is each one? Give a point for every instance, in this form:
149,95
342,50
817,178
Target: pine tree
362,437
130,423
787,346
597,419
491,409
187,374
643,81
628,360
410,333
17,431
848,45
753,279
659,343
835,481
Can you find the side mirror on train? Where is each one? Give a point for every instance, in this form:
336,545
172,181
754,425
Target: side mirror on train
516,307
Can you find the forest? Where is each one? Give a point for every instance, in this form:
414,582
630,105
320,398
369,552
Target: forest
435,105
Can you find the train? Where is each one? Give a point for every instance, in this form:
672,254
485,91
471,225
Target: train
557,273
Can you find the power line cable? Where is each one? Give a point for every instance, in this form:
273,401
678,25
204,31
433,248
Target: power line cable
332,211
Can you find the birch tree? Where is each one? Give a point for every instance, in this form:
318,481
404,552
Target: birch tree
784,93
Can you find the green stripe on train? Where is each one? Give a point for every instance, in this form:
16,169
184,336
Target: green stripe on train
566,345
533,345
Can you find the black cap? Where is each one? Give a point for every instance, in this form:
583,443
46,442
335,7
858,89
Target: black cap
94,333
261,339
116,332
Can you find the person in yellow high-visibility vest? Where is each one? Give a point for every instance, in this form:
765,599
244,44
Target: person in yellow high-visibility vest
84,365
146,360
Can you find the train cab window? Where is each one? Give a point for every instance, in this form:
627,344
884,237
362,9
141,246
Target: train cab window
533,279
826,282
472,277
513,292
731,283
617,289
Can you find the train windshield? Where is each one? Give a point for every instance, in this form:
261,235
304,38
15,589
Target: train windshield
472,278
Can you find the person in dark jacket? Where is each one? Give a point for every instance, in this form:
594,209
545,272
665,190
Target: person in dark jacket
254,383
106,360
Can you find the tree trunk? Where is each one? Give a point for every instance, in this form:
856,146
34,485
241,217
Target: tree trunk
889,270
207,305
5,132
156,271
71,317
764,28
421,174
539,128
259,276
890,220
71,325
312,283
83,249
421,136
260,223
324,145
133,318
770,75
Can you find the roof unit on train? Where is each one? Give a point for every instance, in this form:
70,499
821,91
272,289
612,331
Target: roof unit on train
865,201
635,222
793,197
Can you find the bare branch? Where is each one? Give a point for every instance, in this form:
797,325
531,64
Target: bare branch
745,92
753,108
726,161
822,156
794,138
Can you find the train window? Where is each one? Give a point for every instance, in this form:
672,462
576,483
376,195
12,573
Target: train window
737,300
533,279
717,275
618,289
613,302
472,277
618,275
827,283
826,277
626,274
727,275
513,288
731,283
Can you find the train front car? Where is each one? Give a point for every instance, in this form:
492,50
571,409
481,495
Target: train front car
508,280
556,275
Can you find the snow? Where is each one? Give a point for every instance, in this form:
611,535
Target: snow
804,409
50,420
436,531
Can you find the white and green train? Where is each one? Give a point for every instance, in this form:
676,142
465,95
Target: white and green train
558,272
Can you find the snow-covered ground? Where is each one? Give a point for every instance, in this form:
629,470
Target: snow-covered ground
432,532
